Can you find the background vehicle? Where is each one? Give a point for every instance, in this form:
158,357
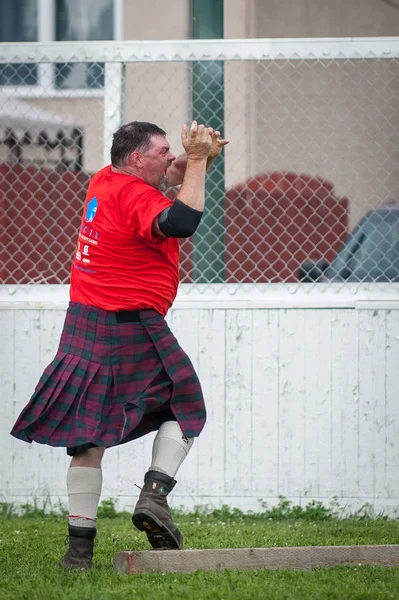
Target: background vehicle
370,252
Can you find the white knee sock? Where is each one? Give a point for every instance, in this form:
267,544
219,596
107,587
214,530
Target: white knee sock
84,490
170,448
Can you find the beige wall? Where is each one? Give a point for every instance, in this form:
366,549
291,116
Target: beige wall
325,18
339,122
157,20
158,92
239,23
239,19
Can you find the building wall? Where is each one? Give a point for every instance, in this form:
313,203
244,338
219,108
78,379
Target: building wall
320,18
157,20
341,122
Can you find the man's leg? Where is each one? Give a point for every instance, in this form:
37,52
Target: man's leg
151,513
84,481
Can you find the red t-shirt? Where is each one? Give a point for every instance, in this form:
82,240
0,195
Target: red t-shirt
119,264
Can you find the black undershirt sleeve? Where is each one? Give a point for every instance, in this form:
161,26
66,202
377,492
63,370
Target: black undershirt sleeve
179,220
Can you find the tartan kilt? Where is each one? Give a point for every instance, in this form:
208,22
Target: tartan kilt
112,382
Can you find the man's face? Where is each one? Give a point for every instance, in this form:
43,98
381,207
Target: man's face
157,159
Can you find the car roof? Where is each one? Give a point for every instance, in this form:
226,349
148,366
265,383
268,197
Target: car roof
380,213
384,208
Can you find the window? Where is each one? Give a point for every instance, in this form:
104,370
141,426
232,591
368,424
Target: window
79,20
18,23
58,20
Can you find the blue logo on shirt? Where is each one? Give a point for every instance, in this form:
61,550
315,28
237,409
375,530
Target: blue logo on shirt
91,210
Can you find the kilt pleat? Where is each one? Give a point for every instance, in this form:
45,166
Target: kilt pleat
187,396
60,394
110,383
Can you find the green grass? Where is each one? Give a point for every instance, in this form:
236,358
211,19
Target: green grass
31,545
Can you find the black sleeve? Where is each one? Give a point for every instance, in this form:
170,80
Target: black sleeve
179,220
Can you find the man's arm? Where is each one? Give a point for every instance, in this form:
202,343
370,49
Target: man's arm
176,171
182,218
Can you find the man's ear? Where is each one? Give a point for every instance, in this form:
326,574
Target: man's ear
136,159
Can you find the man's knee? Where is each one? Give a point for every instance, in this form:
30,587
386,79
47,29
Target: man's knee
88,458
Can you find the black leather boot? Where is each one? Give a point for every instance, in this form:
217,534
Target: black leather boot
80,551
152,514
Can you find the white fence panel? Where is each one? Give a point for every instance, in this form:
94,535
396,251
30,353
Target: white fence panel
302,402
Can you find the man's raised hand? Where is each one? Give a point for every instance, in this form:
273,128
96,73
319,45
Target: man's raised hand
217,143
197,141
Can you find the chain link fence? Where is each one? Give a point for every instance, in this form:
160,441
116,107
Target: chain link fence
306,191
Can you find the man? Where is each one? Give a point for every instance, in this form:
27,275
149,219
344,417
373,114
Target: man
119,373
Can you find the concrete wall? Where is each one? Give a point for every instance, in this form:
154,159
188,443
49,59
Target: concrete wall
302,401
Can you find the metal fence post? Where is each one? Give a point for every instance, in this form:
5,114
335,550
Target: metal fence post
114,103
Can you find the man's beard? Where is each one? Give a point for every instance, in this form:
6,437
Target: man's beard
163,184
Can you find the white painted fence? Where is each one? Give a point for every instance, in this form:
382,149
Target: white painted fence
302,393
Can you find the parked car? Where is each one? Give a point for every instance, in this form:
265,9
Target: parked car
369,253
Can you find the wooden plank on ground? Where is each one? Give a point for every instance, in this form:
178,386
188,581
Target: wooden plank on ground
297,558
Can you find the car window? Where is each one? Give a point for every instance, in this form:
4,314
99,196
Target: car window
371,253
339,268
